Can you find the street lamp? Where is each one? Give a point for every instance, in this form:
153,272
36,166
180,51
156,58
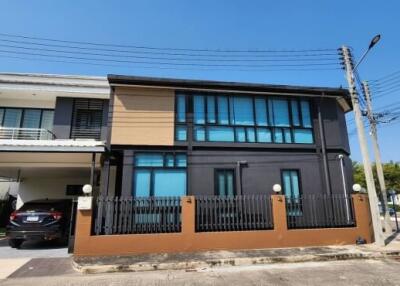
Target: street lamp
373,42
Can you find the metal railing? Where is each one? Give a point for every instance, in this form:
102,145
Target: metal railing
137,215
26,134
320,211
248,212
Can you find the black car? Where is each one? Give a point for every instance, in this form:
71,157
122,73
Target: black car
39,220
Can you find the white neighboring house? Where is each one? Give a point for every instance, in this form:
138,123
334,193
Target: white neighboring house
52,133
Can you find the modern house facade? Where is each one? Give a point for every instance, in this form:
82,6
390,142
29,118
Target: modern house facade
171,137
202,165
52,134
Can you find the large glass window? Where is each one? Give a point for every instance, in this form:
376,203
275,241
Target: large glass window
236,118
225,182
159,174
26,118
291,183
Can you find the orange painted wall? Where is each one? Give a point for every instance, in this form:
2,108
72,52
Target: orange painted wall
190,241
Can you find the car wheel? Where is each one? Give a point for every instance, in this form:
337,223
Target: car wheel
15,243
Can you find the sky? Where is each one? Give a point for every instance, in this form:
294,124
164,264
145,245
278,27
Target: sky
213,25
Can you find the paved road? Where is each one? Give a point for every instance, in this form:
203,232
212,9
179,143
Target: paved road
12,259
32,250
352,272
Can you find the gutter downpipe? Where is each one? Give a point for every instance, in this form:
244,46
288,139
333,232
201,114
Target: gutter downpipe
323,149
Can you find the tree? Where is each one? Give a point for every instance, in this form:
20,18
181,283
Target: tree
391,172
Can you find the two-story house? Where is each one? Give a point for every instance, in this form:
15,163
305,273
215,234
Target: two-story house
52,132
172,137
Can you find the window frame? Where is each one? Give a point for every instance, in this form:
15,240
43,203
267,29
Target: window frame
298,176
23,109
216,185
267,100
154,168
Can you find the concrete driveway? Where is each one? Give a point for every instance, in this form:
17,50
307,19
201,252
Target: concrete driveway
11,259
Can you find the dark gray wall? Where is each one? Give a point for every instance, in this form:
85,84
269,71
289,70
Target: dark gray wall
63,117
263,170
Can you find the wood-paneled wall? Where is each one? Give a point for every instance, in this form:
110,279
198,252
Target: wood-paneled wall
142,116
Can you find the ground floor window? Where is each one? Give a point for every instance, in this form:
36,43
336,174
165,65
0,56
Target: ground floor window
291,183
159,174
224,182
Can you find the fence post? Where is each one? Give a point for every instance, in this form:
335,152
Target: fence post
279,213
83,230
188,214
363,217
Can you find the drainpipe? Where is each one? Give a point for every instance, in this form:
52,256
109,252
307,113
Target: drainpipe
341,157
92,167
323,149
239,165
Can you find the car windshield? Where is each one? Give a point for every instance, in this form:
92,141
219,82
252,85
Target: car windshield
42,207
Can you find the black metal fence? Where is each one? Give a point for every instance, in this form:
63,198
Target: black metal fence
249,212
320,211
137,215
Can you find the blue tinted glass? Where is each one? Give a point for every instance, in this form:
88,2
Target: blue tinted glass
303,136
305,113
169,183
31,118
288,135
278,136
149,160
198,109
181,160
287,186
263,135
251,135
142,183
223,110
199,134
221,183
12,117
181,108
222,134
295,184
240,134
169,160
261,112
181,133
243,110
281,112
229,184
210,109
295,113
47,120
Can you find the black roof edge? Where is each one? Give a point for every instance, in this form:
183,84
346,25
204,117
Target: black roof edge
237,86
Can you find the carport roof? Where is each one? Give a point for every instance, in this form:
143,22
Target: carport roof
79,146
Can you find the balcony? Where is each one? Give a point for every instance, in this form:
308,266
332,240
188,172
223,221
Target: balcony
43,140
7,133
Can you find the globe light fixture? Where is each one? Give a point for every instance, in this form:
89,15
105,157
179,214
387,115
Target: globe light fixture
357,188
277,188
87,189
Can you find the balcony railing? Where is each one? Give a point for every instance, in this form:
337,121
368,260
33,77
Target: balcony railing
26,134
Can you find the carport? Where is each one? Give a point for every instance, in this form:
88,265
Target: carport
50,169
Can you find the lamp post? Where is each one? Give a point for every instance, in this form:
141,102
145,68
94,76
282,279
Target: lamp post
373,200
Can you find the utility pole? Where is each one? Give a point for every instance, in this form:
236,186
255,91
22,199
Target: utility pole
373,200
377,153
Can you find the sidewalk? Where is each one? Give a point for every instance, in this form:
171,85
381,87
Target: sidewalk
203,260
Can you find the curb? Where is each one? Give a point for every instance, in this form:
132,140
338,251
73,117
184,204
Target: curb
243,261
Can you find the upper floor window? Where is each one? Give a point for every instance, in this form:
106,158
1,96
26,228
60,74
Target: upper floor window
222,118
29,119
87,118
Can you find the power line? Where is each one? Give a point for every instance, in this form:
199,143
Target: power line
167,48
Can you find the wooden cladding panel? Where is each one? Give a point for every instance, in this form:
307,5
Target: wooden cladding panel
142,116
